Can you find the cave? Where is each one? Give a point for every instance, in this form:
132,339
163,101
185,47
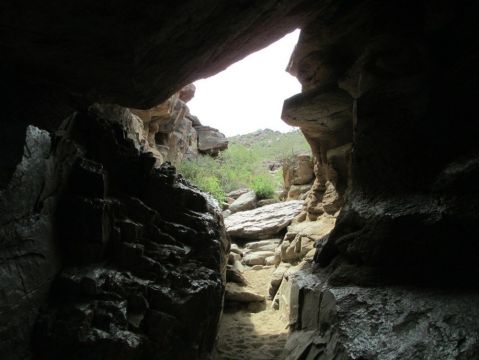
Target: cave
105,253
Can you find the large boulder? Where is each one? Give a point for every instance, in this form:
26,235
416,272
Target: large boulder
210,140
264,222
246,201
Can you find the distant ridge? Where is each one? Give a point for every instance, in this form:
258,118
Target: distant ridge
273,144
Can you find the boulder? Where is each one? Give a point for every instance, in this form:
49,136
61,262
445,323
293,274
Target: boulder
246,201
264,222
237,193
210,140
257,257
243,294
262,245
235,276
271,260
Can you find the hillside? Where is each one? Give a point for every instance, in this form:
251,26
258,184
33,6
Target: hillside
272,145
246,163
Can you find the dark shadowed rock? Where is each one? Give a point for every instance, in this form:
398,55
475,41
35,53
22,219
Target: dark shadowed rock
152,254
352,322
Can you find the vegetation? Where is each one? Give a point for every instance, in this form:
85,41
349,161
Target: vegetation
244,164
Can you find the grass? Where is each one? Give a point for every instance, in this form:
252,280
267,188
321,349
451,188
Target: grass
243,164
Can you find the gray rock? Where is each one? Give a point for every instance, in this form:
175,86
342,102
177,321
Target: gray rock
235,276
257,267
238,266
276,278
247,201
257,257
270,260
235,249
262,245
384,323
234,292
264,222
237,193
265,202
210,140
29,260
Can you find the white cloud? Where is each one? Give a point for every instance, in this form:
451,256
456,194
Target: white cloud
249,94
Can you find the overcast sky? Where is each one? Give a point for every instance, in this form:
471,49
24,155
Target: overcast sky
249,94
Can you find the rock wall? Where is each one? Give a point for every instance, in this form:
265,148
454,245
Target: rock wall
353,322
174,134
370,74
379,106
122,252
388,92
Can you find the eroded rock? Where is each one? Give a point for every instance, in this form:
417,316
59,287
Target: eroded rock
264,222
152,254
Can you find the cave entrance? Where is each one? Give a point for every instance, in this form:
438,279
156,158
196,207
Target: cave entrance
260,170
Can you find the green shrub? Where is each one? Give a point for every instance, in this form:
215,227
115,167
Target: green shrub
242,165
263,186
211,184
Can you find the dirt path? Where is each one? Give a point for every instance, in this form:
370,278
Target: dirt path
247,335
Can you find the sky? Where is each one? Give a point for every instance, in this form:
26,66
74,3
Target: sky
249,94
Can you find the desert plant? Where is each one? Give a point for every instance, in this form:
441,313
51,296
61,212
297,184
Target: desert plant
242,164
263,186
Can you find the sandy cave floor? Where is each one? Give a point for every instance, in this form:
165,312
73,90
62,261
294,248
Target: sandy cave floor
245,335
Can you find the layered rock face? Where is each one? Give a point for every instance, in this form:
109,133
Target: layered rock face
379,103
142,252
174,134
352,322
407,170
139,249
298,177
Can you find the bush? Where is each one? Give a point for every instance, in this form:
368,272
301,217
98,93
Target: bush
212,185
263,187
242,165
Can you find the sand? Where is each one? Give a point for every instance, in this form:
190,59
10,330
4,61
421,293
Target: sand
245,335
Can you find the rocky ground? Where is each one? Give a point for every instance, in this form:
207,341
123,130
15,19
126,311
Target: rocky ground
252,335
272,245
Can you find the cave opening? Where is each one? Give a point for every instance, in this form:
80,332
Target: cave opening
107,253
